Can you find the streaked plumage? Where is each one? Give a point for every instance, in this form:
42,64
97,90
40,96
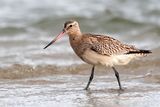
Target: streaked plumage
105,50
99,49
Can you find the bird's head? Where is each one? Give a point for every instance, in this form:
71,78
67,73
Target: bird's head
70,28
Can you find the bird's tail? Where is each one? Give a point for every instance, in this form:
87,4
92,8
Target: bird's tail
142,52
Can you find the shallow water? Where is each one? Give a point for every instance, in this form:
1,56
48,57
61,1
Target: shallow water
54,86
67,90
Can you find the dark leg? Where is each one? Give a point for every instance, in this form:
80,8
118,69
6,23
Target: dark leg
91,77
117,76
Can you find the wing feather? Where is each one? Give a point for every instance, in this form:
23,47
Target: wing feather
106,45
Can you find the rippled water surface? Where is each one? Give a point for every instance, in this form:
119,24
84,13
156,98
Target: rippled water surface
67,91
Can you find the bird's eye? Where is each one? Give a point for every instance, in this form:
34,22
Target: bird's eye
70,25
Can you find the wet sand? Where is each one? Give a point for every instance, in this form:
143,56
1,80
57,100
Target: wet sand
67,91
53,86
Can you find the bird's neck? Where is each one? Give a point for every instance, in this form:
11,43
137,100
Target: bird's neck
75,41
75,36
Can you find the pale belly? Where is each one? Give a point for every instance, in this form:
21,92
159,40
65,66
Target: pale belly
94,58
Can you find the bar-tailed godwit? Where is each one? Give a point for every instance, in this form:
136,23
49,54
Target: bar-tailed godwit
99,49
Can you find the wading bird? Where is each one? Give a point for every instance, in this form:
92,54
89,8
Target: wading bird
99,49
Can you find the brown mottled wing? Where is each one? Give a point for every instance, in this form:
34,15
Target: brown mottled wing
106,45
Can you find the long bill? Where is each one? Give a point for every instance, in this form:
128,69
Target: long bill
58,37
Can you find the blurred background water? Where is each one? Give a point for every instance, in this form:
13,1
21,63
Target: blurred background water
26,26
